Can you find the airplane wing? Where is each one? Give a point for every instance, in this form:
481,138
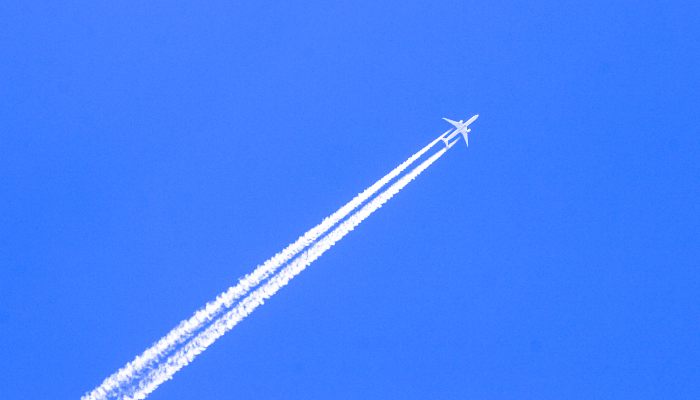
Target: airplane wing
455,123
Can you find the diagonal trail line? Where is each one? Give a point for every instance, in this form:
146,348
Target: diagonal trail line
230,319
134,369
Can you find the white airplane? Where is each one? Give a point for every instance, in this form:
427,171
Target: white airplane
461,128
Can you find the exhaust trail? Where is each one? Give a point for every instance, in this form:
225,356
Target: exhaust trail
247,305
134,369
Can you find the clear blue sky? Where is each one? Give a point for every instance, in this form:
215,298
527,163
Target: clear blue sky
153,152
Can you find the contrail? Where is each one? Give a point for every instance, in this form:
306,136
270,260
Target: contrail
226,322
178,335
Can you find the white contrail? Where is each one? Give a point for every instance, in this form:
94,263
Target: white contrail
132,370
226,322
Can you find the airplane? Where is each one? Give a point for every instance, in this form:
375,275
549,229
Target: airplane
461,128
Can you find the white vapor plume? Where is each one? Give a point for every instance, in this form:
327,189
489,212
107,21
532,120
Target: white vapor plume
184,355
134,370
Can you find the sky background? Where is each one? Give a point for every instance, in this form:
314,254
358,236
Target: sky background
151,153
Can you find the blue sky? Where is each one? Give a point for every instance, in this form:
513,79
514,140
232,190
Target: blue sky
152,153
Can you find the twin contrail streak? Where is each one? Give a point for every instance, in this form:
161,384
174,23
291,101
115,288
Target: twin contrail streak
134,370
247,305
